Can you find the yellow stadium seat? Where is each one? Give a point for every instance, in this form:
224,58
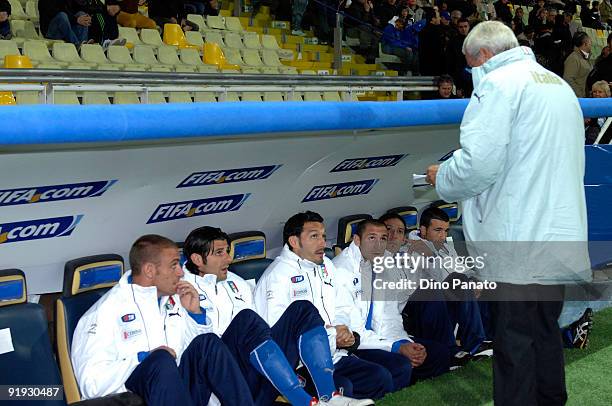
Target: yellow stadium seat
213,55
179,97
151,37
95,54
174,35
38,53
67,53
205,97
215,22
121,55
126,98
17,62
7,99
192,57
95,98
8,47
65,98
194,38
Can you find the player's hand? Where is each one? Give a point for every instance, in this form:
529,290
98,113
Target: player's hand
189,297
432,171
415,352
344,336
166,348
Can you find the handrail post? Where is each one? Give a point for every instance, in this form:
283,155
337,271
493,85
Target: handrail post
237,8
338,42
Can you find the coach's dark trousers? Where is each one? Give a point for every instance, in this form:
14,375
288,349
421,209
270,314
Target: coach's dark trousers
528,364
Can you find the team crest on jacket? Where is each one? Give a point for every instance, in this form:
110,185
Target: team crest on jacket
126,318
170,303
297,279
202,297
324,273
233,286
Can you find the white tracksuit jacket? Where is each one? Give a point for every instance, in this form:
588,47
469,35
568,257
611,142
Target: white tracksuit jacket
290,278
221,300
354,304
127,320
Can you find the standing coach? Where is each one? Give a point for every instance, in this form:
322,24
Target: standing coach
519,175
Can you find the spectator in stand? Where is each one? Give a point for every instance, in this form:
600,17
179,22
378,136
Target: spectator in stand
455,17
551,15
431,45
392,43
104,29
386,11
414,11
562,33
548,52
541,19
64,19
455,60
594,125
130,17
480,11
533,14
170,12
519,12
202,7
526,38
298,8
502,9
605,12
5,26
448,31
578,64
360,26
517,25
445,88
587,17
602,70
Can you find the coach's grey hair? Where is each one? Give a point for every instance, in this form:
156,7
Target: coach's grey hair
492,35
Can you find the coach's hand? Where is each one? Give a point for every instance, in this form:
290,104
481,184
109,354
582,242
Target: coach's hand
189,297
415,352
432,171
344,336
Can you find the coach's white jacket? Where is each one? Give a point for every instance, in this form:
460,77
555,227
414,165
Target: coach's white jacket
127,320
387,331
290,278
221,300
519,173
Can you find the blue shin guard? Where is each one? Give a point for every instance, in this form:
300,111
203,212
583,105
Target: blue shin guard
269,360
316,356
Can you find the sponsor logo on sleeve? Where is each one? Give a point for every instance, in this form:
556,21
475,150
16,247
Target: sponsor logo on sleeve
356,164
53,193
200,207
228,176
38,229
336,190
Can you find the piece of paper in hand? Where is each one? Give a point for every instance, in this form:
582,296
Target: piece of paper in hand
6,341
419,180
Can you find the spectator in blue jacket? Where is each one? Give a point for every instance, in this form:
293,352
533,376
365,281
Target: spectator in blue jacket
401,41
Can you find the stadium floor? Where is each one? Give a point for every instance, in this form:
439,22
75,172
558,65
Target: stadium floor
587,375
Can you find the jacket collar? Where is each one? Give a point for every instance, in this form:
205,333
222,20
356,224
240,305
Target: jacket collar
288,255
126,281
507,57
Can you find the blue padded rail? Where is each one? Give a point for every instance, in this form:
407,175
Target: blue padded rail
49,124
99,275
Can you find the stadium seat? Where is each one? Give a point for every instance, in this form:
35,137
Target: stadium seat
234,24
269,42
269,70
331,96
156,98
273,96
215,37
252,42
233,40
409,214
231,97
234,57
86,280
167,56
143,54
31,10
214,55
248,250
121,55
347,226
130,35
67,53
126,98
312,96
38,53
198,20
8,47
251,96
270,58
215,22
65,98
151,37
24,325
7,99
195,38
95,98
192,57
179,97
251,57
205,97
17,11
95,54
27,98
23,30
174,35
